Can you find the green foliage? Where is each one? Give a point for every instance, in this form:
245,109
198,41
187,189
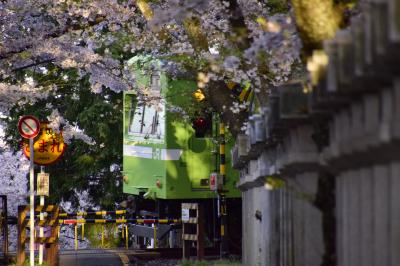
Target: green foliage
83,166
119,47
193,263
27,262
110,233
273,182
277,6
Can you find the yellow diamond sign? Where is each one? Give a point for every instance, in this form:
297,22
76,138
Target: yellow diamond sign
48,147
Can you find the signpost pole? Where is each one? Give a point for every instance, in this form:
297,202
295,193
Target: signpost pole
29,127
32,207
41,234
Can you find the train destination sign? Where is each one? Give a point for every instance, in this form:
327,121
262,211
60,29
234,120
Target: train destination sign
28,126
48,147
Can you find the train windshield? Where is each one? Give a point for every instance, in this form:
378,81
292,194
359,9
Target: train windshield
147,121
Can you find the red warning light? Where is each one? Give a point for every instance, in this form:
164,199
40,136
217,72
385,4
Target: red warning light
200,126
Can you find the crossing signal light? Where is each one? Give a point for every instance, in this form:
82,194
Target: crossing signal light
200,126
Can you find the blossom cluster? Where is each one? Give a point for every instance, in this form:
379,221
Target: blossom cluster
13,171
57,122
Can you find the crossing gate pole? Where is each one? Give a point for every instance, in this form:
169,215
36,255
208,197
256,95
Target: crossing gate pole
155,235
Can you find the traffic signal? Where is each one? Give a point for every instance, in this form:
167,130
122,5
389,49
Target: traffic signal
201,126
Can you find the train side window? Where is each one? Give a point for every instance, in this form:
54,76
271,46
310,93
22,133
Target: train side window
147,122
136,120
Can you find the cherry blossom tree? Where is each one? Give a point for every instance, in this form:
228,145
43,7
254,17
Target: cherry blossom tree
53,51
227,40
13,171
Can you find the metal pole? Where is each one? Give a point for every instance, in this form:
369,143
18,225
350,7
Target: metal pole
4,226
76,237
41,233
221,195
126,236
5,229
32,207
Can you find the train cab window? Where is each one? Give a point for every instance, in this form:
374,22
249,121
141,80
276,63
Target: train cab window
155,83
147,122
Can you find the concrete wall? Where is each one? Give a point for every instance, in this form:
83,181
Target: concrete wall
322,186
281,226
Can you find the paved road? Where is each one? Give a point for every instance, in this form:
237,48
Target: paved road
88,257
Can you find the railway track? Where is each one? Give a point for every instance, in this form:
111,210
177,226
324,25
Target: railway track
126,257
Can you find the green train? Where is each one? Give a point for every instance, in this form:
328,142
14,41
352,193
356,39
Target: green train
165,157
167,161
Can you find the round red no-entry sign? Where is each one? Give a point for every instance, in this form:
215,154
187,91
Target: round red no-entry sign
28,126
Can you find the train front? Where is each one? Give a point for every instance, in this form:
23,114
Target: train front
165,156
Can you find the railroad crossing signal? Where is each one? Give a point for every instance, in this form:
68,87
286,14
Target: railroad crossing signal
28,126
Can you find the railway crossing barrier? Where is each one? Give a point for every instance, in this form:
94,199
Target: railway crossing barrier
157,232
135,226
50,241
192,229
118,221
83,213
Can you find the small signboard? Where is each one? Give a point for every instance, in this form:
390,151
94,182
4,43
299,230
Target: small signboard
28,126
48,147
185,215
43,184
214,181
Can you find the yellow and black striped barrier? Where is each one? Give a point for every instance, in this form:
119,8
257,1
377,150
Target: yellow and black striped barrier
124,222
102,213
118,221
51,220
